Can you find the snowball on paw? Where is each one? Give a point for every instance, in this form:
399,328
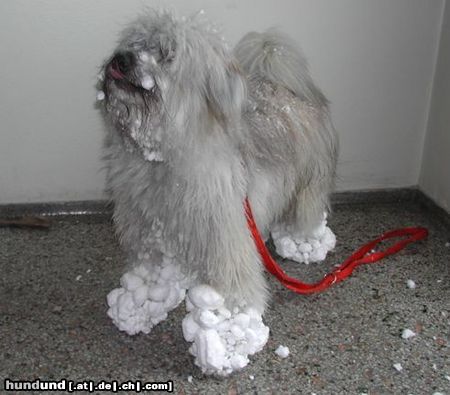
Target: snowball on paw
222,339
210,349
302,248
148,292
131,281
140,295
158,293
205,297
208,319
329,239
190,328
318,254
286,246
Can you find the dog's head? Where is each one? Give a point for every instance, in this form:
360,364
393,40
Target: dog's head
170,76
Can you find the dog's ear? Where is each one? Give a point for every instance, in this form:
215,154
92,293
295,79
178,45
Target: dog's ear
225,91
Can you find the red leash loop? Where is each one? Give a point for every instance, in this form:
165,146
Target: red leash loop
360,257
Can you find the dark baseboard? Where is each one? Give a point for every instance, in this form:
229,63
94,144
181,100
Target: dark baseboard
104,208
82,207
375,196
433,208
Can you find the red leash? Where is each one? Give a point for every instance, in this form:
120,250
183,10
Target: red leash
360,257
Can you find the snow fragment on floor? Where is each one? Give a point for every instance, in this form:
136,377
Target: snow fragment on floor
190,379
222,339
408,334
293,244
398,367
411,284
147,293
282,351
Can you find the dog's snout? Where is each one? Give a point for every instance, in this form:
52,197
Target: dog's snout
124,61
121,64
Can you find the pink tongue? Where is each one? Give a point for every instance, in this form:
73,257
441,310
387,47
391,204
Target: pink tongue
114,73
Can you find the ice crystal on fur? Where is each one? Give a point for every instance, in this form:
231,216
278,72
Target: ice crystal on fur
100,95
148,82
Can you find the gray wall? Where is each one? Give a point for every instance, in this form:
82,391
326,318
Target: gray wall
435,175
374,60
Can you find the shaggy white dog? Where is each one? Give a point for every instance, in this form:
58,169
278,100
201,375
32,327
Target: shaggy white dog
194,129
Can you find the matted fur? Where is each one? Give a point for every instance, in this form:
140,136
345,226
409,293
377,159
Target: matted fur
227,125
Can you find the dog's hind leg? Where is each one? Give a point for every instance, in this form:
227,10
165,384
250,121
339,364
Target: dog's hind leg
303,236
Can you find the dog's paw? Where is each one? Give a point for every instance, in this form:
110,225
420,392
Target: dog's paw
222,339
148,293
302,248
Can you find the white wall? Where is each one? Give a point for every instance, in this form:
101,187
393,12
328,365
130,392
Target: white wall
435,176
374,60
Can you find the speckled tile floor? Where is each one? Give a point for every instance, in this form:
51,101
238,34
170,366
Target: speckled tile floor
343,341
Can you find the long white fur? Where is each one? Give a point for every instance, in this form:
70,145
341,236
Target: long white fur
227,125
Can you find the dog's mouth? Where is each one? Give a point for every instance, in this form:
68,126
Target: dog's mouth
114,70
121,80
128,90
121,71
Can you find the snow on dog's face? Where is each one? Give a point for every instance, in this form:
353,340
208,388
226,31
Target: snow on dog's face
169,77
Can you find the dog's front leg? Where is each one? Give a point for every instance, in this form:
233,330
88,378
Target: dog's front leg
155,285
224,320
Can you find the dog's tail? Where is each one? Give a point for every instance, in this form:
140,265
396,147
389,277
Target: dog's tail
275,57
